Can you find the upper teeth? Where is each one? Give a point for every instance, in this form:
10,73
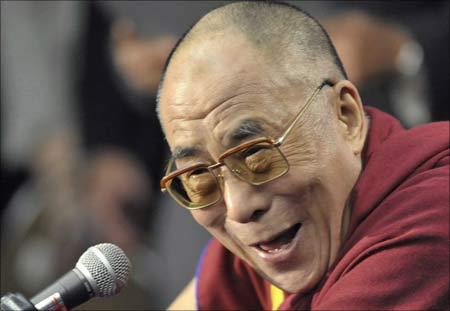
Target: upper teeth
275,250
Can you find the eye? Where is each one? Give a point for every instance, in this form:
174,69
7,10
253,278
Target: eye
197,172
253,150
199,182
258,158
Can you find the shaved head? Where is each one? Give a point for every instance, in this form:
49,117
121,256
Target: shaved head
234,99
287,37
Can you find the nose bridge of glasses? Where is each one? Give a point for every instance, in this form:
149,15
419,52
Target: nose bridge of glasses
221,170
215,169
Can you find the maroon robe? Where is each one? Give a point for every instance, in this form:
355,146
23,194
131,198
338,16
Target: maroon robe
396,254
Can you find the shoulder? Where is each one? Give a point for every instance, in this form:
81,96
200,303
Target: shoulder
396,253
402,197
397,257
401,167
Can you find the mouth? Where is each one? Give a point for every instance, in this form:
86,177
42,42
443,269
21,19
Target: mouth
279,247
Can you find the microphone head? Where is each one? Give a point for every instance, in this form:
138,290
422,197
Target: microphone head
106,268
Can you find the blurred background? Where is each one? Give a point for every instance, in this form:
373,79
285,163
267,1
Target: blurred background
81,148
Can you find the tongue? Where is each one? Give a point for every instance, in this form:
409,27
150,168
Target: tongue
281,240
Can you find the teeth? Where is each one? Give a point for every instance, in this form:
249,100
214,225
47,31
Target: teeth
276,250
282,242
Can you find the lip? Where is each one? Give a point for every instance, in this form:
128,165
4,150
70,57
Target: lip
283,254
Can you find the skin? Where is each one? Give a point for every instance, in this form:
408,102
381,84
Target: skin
211,87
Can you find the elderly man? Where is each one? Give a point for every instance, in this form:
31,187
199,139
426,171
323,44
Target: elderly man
314,202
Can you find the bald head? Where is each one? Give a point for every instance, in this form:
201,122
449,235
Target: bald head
249,81
288,38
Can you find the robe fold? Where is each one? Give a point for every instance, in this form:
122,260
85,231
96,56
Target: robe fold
396,252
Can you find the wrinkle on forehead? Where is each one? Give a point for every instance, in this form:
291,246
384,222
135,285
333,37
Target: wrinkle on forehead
202,91
184,131
213,66
250,101
182,123
205,107
201,99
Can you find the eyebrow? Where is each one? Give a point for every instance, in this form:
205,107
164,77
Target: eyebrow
248,128
185,152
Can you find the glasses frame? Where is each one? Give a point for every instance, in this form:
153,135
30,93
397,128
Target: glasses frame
274,142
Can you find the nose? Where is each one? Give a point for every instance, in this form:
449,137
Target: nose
244,202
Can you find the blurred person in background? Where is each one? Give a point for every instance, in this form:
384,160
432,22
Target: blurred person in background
396,52
398,49
79,155
40,140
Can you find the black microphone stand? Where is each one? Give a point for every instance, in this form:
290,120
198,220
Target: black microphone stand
16,302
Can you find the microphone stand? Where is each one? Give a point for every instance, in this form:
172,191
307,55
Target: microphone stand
16,302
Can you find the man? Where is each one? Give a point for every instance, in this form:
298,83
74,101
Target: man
313,201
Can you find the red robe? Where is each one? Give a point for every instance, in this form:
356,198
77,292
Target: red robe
396,255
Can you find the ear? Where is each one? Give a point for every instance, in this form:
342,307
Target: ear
350,115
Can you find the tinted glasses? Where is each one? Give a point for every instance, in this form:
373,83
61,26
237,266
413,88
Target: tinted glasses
256,162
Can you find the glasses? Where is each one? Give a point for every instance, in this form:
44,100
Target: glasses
256,162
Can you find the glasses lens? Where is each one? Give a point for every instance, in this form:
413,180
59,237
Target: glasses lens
258,163
195,189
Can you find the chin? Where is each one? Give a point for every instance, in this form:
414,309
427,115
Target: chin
293,279
297,281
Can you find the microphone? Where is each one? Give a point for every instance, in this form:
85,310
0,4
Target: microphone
102,270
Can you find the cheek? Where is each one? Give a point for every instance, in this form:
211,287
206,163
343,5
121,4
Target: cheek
301,152
213,220
210,218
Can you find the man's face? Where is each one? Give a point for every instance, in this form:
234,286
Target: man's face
288,229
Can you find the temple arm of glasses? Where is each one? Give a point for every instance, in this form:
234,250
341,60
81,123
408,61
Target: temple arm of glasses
280,140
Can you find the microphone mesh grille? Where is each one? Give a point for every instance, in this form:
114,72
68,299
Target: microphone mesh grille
118,261
107,284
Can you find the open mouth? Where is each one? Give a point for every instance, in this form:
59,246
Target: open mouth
281,241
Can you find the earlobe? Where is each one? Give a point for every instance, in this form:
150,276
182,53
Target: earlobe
350,114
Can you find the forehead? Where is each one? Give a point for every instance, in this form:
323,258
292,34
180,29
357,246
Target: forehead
209,68
212,87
